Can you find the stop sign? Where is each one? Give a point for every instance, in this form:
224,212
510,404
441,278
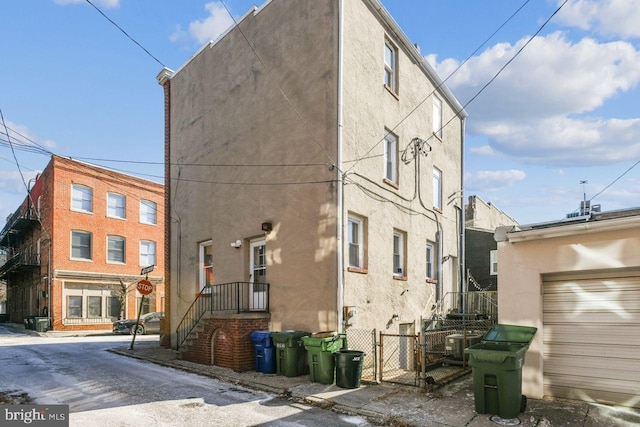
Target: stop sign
145,287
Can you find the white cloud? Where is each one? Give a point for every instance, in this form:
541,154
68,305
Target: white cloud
210,28
609,17
492,180
107,4
11,181
21,135
564,141
485,150
551,76
535,111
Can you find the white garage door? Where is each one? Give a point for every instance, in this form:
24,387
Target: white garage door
592,338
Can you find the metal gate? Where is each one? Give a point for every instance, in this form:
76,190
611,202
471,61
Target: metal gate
365,340
399,358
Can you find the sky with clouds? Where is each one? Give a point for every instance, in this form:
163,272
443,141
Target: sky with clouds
561,106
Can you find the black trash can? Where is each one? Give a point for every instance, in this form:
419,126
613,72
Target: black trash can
30,322
348,368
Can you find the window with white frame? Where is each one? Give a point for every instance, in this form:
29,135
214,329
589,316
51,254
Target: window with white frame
399,259
148,211
390,66
147,253
437,117
430,258
94,306
90,303
437,188
206,264
116,205
81,245
74,306
493,260
81,198
115,249
355,237
391,156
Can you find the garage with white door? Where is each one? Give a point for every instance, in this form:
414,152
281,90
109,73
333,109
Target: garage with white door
578,281
592,337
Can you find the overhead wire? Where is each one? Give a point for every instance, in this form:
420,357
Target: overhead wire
124,32
615,180
412,111
284,95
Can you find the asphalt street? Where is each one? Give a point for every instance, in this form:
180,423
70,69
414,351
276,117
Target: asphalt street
107,389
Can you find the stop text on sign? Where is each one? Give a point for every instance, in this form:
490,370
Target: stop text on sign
145,287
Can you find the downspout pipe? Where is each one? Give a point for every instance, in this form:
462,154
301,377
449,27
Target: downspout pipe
340,177
463,260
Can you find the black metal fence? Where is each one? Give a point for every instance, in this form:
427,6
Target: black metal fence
235,297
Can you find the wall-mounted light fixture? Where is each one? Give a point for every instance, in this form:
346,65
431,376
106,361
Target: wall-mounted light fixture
267,227
237,244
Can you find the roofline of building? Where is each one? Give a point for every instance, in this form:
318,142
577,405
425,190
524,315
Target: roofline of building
111,171
383,13
569,227
417,57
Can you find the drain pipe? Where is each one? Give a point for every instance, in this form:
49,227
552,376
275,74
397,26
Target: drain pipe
340,179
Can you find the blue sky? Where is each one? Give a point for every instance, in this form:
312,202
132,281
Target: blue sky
565,110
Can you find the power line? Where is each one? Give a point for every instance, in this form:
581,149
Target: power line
124,32
439,86
295,110
616,180
237,165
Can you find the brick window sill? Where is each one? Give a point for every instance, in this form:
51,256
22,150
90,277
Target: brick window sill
391,183
402,278
358,270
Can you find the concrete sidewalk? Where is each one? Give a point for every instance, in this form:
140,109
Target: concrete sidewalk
385,404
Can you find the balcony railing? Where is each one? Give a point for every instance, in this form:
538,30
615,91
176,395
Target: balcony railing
236,297
20,262
469,305
21,220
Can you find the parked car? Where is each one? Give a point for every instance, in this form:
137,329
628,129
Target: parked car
149,324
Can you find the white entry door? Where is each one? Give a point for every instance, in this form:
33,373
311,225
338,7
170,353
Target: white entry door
257,276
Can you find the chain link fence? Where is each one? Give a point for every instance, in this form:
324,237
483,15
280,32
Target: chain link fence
429,359
365,340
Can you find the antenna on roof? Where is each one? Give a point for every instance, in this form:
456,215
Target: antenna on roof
585,205
584,191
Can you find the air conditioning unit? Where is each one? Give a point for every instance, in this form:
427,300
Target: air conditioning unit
455,344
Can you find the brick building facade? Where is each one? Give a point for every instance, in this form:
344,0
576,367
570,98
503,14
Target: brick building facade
90,230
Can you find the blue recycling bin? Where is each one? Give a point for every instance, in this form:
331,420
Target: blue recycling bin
264,352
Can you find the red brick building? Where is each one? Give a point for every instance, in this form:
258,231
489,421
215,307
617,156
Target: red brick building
76,246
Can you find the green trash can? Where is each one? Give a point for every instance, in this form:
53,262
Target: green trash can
291,357
320,347
497,370
349,368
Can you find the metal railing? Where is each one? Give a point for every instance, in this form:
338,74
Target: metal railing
479,304
235,297
20,260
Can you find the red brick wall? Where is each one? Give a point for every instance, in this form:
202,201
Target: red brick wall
233,347
63,220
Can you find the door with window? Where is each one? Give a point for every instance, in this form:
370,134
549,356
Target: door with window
257,276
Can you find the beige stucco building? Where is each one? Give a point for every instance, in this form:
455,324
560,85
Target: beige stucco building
312,147
578,282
